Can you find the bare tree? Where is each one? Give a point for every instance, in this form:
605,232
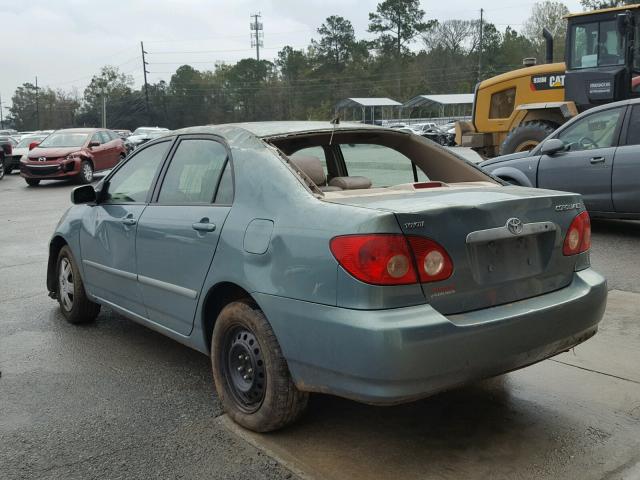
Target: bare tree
547,14
454,36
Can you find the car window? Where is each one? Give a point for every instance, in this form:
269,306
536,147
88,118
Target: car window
593,131
633,132
194,171
384,166
131,182
97,138
224,195
105,136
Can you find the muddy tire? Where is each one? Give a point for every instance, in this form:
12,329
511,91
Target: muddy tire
251,374
74,304
526,136
32,182
86,173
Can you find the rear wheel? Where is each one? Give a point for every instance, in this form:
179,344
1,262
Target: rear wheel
32,182
526,136
251,374
86,172
74,303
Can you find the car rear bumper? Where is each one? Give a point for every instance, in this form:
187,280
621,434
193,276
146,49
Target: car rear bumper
398,355
46,170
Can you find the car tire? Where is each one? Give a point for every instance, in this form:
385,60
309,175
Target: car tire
74,303
250,372
526,136
86,172
32,182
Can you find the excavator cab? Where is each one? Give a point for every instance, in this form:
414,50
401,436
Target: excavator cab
601,56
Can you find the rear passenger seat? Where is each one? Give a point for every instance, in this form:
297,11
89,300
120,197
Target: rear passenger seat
312,167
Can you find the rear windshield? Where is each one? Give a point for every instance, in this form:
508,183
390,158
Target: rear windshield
64,139
374,159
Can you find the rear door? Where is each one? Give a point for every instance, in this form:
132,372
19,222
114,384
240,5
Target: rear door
587,164
625,182
112,156
107,237
178,232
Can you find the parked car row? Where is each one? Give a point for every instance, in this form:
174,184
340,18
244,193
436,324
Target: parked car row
69,153
441,134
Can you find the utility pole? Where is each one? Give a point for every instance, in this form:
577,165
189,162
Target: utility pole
480,47
104,108
256,33
146,85
37,107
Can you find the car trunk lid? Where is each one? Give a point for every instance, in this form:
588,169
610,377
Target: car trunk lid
505,242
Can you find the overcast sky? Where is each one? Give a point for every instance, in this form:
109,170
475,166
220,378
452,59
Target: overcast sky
65,42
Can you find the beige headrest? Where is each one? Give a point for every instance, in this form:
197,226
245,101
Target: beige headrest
350,183
311,166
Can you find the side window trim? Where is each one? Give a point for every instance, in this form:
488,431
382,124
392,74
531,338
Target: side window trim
159,180
624,131
133,155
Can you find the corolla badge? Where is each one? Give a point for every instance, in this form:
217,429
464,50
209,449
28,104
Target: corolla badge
42,159
514,225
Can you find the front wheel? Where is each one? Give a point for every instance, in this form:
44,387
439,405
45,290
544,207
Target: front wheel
86,172
74,303
251,374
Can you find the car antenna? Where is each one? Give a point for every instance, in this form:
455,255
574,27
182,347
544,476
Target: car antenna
334,122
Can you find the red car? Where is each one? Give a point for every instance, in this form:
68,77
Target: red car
73,153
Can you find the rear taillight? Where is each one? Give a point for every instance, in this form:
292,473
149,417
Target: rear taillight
377,259
433,261
578,238
388,259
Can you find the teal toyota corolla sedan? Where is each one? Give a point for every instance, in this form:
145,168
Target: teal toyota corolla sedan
346,259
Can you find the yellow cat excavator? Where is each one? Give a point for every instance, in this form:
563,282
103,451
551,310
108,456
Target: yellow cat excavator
515,111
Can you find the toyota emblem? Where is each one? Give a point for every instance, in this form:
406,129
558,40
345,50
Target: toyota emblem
42,159
514,225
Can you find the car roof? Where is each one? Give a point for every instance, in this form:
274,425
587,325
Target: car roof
79,130
277,128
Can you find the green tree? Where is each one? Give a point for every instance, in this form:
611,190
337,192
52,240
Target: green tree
397,23
598,4
49,109
337,39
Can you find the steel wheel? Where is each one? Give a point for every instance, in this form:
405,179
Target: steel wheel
244,368
65,284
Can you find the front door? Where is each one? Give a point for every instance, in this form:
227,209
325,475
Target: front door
586,166
99,152
108,236
625,183
178,233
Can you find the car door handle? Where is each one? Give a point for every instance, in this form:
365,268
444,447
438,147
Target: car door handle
204,226
595,160
129,221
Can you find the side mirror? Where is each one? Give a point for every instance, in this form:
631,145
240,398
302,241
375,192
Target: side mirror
93,143
33,145
551,146
83,194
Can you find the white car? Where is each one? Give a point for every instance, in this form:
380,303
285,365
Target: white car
12,161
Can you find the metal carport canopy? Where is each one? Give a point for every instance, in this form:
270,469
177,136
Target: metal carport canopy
367,102
446,99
